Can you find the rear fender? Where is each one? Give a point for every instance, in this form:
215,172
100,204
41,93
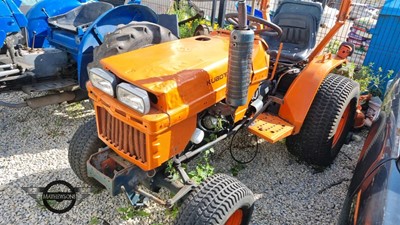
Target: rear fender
300,95
105,24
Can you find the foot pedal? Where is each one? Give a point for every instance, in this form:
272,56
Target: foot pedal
271,128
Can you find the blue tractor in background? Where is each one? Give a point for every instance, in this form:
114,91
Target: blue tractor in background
48,48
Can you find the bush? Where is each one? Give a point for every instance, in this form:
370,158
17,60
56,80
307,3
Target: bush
369,80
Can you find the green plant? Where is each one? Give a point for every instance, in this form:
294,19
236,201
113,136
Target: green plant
333,46
369,80
171,170
185,11
128,213
75,110
173,213
237,168
203,169
182,9
94,221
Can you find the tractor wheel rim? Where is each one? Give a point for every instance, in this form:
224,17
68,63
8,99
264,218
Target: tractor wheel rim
236,218
341,126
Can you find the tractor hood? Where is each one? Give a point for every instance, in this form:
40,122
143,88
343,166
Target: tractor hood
187,72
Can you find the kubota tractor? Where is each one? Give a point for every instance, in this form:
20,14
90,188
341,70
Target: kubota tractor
165,102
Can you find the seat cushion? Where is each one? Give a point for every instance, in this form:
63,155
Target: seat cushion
299,22
82,16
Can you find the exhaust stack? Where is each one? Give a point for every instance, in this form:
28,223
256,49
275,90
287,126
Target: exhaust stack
240,60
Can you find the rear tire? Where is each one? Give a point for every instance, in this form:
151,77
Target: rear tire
327,123
130,37
220,199
84,143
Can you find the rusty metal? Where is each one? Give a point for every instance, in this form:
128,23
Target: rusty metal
150,196
34,103
38,102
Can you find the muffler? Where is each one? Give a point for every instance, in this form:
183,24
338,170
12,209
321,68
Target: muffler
240,60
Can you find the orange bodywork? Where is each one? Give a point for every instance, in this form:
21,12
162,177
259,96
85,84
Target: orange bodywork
300,95
186,76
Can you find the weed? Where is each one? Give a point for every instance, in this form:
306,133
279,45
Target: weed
171,170
75,110
173,213
203,169
184,11
94,221
369,80
237,168
333,46
128,213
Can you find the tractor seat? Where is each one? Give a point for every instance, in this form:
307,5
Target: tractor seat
299,21
80,17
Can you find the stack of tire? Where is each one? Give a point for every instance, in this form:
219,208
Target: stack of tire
360,35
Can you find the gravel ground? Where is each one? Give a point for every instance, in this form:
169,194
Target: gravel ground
33,152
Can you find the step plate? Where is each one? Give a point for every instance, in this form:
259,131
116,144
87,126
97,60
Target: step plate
49,85
271,128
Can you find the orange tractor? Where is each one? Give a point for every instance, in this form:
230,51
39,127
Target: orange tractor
164,102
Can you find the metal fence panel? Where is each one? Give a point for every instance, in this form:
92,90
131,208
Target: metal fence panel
352,31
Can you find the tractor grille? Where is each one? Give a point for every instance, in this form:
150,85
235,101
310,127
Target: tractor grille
123,137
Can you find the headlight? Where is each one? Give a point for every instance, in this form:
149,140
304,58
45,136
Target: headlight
133,97
103,80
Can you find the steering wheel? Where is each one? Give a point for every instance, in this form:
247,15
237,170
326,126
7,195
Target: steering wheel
276,30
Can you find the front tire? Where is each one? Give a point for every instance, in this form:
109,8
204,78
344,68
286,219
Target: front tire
84,143
327,123
220,199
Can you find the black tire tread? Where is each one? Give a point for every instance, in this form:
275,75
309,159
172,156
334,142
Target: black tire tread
314,141
130,37
84,143
214,201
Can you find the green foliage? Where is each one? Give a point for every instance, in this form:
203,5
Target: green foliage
171,170
188,29
94,221
184,11
173,213
370,81
333,46
237,168
203,169
128,213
